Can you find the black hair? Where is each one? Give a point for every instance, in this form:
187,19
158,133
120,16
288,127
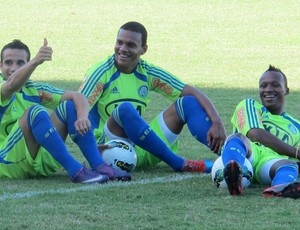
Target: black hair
16,44
136,27
275,69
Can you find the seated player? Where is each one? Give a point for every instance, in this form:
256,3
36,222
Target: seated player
32,144
118,90
274,140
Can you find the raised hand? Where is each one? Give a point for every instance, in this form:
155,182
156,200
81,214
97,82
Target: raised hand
44,54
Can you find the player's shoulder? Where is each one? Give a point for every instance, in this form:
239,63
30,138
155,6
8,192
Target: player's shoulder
104,64
249,102
149,67
292,118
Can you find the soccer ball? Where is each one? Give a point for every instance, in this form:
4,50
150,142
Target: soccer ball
218,176
120,156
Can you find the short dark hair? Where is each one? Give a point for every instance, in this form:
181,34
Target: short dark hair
136,27
273,68
16,44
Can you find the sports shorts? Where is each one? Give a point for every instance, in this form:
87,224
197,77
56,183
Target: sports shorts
261,155
16,161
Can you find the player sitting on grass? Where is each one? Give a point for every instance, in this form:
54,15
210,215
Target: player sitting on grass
32,144
118,90
274,140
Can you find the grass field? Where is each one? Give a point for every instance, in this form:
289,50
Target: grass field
222,47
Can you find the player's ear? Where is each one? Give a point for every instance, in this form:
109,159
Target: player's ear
287,91
144,49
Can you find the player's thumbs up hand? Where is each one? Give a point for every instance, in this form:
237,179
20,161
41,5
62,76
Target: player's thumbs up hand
45,42
44,54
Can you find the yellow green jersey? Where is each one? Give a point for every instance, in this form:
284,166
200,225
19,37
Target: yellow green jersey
250,114
106,87
30,94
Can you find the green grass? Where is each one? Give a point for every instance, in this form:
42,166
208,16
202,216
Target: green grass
222,47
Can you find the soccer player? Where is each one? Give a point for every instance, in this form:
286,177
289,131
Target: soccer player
32,144
117,89
274,138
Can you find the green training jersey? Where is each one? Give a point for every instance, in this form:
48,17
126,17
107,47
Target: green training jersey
106,87
30,94
250,114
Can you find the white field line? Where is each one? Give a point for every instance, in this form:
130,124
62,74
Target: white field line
174,178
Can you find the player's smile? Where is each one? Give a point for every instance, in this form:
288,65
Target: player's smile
12,60
128,49
272,90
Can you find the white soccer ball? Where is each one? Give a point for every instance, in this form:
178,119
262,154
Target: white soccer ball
121,156
218,176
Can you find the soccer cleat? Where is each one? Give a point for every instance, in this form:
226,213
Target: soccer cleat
87,176
233,178
201,166
112,173
290,190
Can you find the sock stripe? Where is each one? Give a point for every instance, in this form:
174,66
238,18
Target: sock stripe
180,110
61,112
34,111
116,117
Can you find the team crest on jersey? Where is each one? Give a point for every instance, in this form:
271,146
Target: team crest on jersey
45,96
143,91
293,129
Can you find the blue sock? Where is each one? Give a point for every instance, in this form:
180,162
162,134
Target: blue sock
190,112
285,174
47,136
138,131
235,150
67,114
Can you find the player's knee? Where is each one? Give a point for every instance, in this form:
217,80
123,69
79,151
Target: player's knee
66,110
243,139
35,114
190,101
126,110
189,104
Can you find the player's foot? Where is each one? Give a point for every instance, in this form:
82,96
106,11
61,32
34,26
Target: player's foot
87,176
233,178
291,190
201,166
112,173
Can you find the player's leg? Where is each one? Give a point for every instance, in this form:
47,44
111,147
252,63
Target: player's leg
16,161
126,122
282,174
65,116
187,110
236,149
38,129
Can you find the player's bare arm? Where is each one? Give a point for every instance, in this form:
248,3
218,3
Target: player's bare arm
21,76
269,140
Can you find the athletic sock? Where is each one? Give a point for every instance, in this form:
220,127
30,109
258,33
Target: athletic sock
285,174
190,112
67,114
235,150
47,136
139,132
